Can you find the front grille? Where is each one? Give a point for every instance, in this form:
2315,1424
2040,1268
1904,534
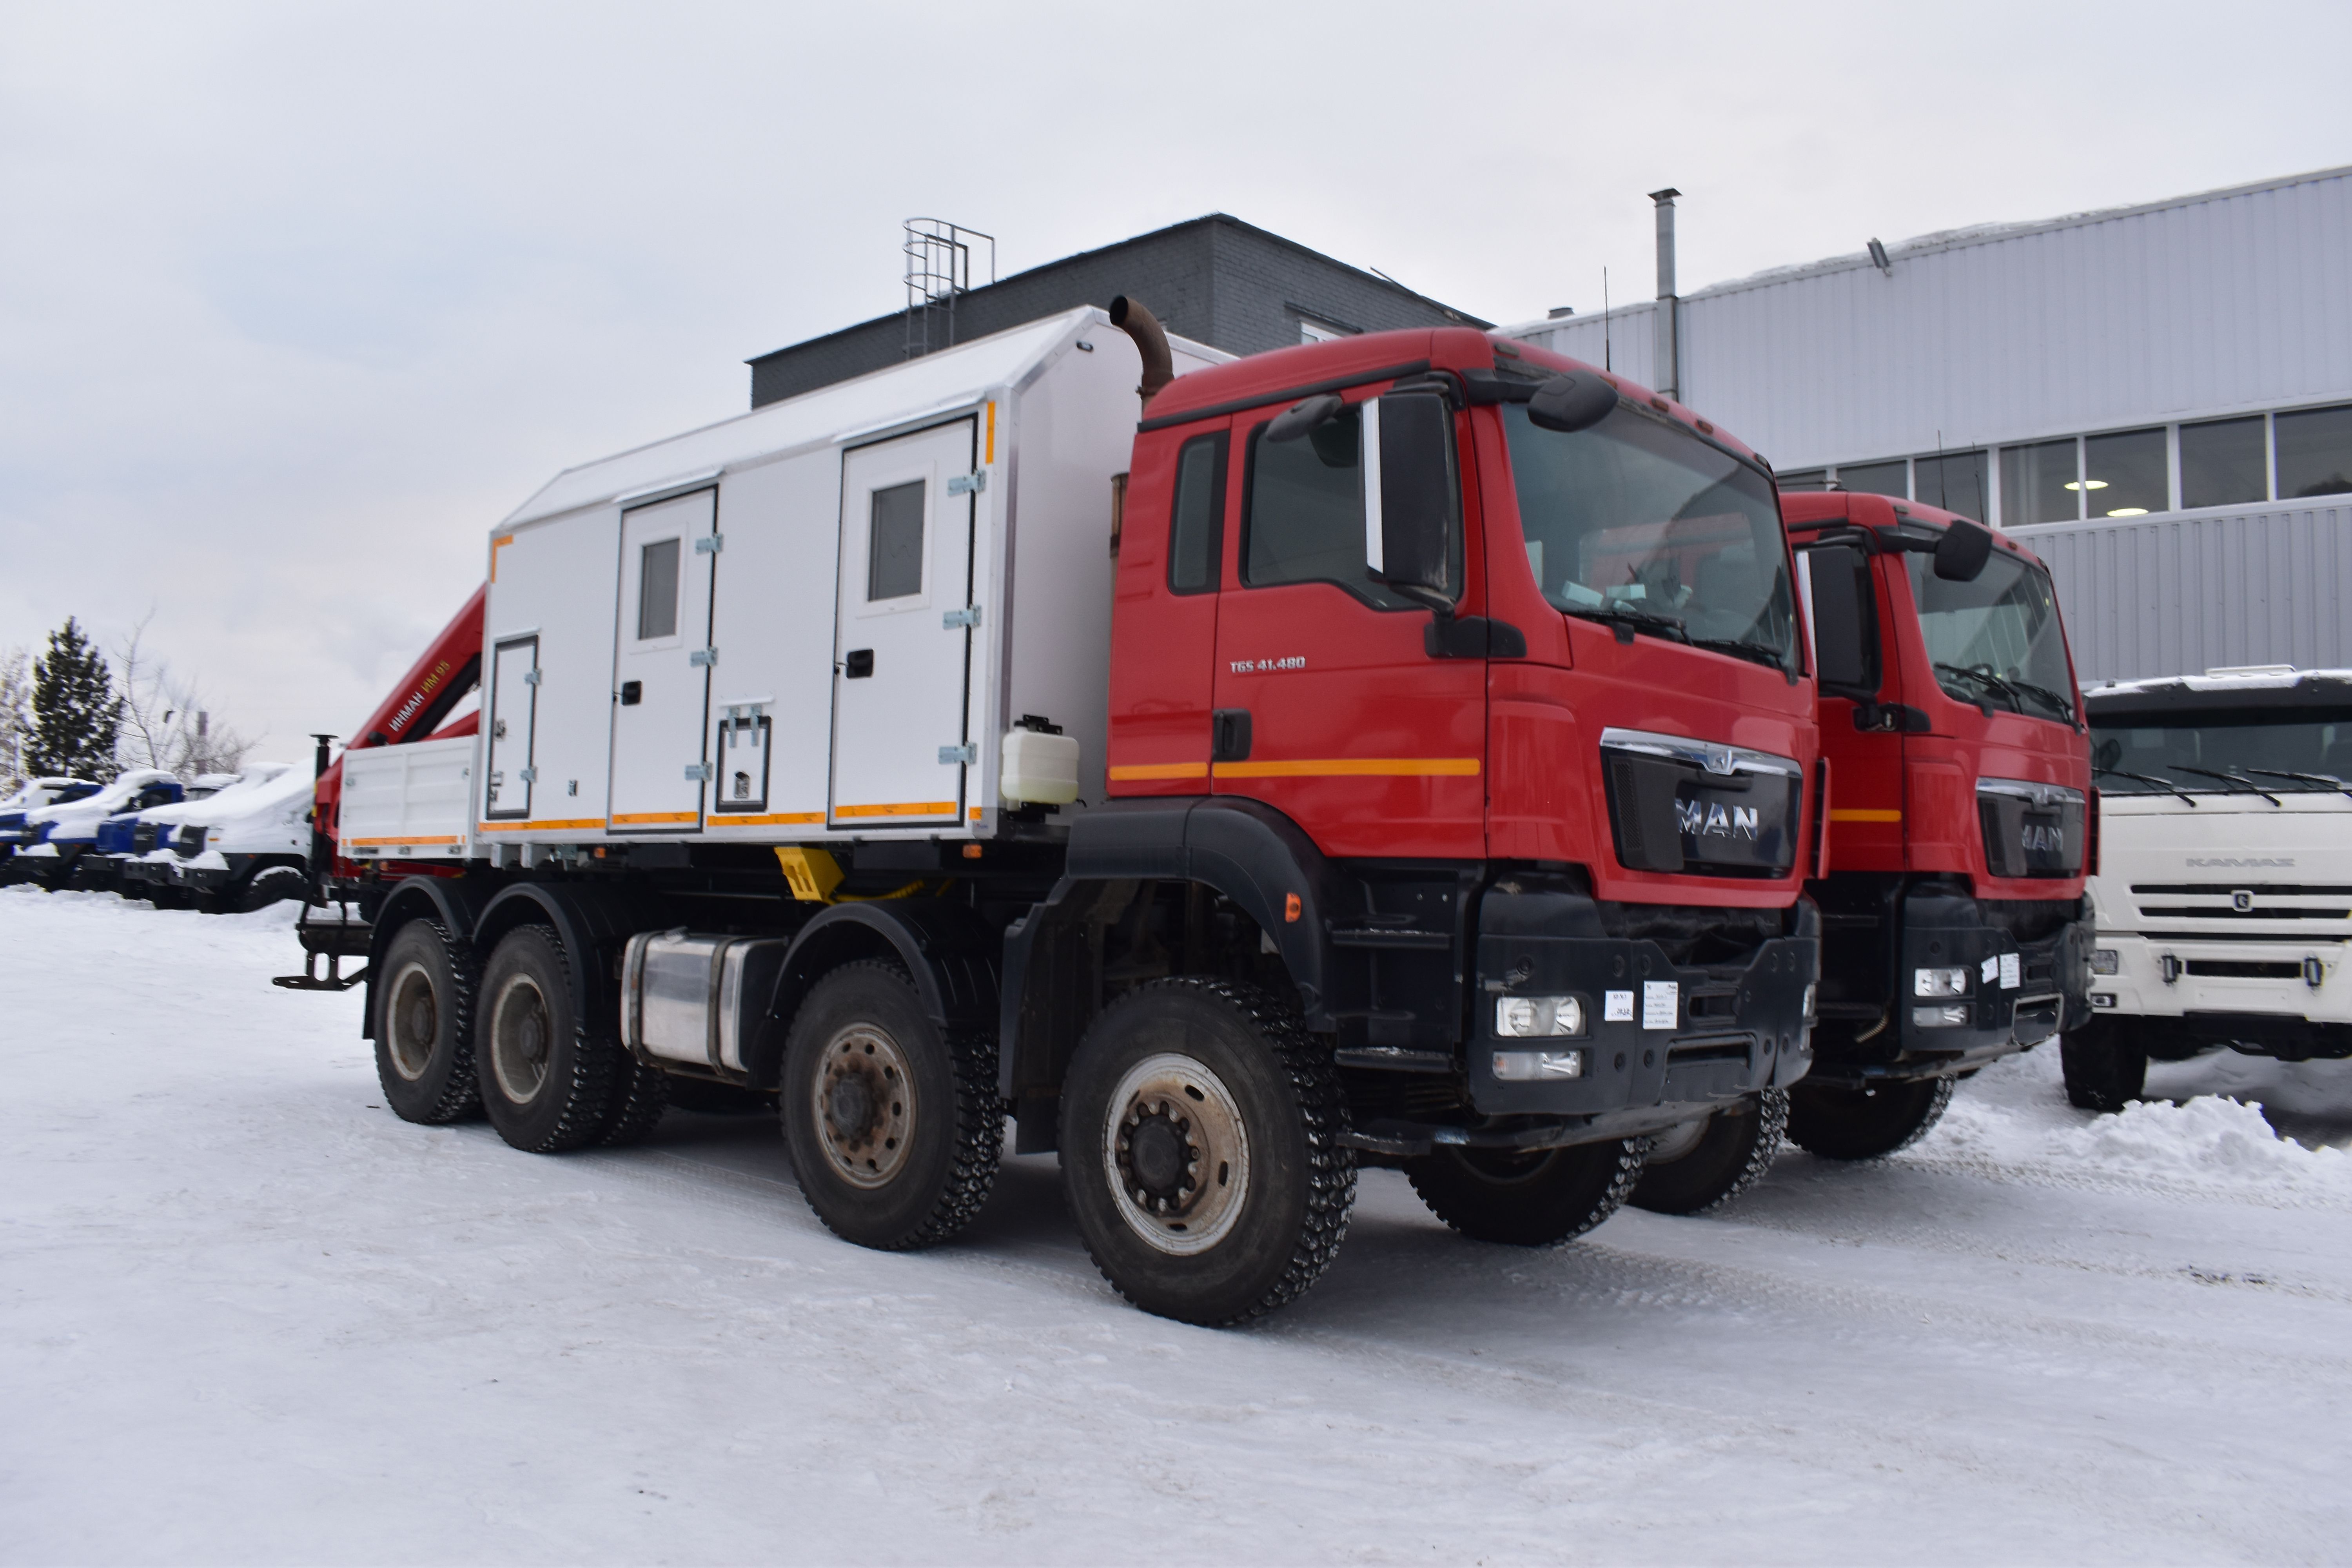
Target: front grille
2245,969
2259,912
2223,889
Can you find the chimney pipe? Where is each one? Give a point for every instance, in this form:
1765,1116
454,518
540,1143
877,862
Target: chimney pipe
1667,371
1130,317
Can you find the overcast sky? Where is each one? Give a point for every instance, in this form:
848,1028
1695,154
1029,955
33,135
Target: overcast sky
296,300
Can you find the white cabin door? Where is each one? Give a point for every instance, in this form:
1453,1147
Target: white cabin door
661,665
902,638
514,705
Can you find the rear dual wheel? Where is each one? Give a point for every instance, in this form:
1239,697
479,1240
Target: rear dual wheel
1699,1167
548,1082
424,1026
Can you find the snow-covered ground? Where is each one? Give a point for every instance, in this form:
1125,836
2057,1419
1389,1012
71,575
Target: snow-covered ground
248,1316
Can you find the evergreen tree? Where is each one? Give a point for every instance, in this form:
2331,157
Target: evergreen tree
76,712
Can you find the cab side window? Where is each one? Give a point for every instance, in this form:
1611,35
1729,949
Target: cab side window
1304,518
1198,519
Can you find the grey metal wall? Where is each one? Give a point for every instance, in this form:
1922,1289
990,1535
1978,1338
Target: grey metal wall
2184,594
2207,304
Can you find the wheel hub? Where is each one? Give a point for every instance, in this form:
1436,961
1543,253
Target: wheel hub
1176,1153
414,1018
865,1105
521,1040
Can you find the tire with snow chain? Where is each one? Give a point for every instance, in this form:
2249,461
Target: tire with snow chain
1201,1152
2106,1064
894,1126
424,1026
1706,1168
1532,1197
547,1084
1865,1123
640,1095
268,886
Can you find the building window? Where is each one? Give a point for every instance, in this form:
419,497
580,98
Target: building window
2124,474
2040,484
1952,480
1311,330
2222,463
1891,478
2314,452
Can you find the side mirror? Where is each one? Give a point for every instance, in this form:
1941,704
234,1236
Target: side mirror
1409,495
1845,621
1577,401
1300,418
1961,553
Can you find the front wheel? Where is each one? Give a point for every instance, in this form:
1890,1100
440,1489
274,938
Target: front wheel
1536,1197
2106,1064
1201,1152
1700,1168
1864,1123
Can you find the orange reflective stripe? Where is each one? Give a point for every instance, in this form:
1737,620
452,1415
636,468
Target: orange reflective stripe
908,808
1860,815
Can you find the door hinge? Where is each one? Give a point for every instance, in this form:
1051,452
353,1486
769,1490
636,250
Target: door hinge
703,657
968,484
528,775
531,678
698,771
967,616
967,755
710,545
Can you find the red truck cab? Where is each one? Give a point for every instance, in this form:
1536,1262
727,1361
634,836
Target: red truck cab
1955,927
1556,748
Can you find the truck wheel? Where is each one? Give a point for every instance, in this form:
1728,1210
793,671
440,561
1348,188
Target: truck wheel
2106,1067
1527,1197
268,886
1201,1152
894,1127
424,1027
1864,1123
640,1095
547,1086
1713,1163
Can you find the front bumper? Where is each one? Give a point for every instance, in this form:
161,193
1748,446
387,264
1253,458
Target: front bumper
1662,1041
2167,977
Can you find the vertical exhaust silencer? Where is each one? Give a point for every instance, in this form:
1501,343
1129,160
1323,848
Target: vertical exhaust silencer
1159,365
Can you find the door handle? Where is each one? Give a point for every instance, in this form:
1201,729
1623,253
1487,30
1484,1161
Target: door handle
632,694
1228,735
857,664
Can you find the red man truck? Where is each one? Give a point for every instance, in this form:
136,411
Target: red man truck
1955,927
1427,773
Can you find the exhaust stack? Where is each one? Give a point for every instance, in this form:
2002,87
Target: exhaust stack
1159,365
1667,372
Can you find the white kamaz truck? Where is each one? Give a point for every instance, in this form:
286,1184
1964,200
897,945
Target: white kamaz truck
2224,885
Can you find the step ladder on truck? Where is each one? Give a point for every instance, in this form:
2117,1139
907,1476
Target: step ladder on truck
1394,748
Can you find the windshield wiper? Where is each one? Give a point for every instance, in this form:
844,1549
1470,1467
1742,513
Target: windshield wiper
2167,786
2238,779
1988,678
2326,780
2056,702
1646,620
1755,652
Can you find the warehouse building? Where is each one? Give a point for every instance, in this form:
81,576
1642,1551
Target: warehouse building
2158,399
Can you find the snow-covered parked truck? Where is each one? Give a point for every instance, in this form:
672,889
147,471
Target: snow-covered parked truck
31,796
248,848
1398,747
2224,892
163,836
59,839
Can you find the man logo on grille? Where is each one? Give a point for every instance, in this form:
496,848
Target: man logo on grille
2242,900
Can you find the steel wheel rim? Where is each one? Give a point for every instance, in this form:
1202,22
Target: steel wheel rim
412,1021
864,1104
1674,1142
1176,1154
522,1038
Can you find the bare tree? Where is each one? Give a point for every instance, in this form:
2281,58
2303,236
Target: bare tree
166,723
16,714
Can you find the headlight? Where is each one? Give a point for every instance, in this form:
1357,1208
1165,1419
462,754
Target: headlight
1950,1016
1939,982
2105,960
1520,1066
1534,1018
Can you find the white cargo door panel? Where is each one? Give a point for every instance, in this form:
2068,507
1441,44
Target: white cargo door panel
661,664
902,630
513,710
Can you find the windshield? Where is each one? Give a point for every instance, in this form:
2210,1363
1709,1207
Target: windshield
1638,520
2224,752
1996,641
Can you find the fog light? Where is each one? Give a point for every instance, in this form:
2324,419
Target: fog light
2103,999
1939,982
1522,1066
1534,1018
2105,960
1952,1016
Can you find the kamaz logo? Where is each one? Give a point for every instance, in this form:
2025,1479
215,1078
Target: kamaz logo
1706,819
2035,838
